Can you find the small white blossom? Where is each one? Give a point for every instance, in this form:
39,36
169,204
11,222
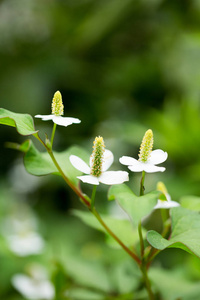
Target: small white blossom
148,159
25,244
156,157
57,112
34,287
59,120
20,233
99,163
168,203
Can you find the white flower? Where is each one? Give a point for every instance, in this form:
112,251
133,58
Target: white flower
36,287
26,243
20,232
99,163
57,112
147,158
168,203
156,157
59,120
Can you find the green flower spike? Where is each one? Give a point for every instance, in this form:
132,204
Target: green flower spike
147,158
100,160
57,112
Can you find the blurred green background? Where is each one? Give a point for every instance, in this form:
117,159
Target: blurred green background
122,67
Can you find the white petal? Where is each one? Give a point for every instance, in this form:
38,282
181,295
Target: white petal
79,164
32,243
108,159
89,179
157,157
166,204
45,117
138,166
113,177
127,160
33,289
149,168
65,121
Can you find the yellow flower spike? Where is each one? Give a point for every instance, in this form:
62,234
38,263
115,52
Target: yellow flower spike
57,104
146,146
97,156
57,112
162,188
164,202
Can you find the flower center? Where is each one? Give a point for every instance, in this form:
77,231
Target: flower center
146,146
97,156
57,105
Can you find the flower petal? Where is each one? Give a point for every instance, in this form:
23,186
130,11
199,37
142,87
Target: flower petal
157,157
127,160
108,159
65,121
166,204
79,164
33,288
138,166
45,117
149,168
89,179
113,177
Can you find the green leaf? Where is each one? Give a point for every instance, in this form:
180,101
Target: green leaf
23,122
121,227
40,163
84,294
191,202
185,232
136,207
174,284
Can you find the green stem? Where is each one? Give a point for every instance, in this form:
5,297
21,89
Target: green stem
88,203
140,224
142,184
147,282
93,196
141,239
53,133
164,215
132,254
74,188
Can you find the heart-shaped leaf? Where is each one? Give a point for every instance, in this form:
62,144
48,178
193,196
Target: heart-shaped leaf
40,163
136,207
190,202
174,284
23,122
185,232
121,227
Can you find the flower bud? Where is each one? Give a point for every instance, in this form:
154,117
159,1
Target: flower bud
57,105
146,146
97,156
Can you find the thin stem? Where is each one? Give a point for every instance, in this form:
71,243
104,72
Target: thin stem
132,254
142,184
93,196
140,224
141,239
53,133
88,204
74,188
164,215
147,282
